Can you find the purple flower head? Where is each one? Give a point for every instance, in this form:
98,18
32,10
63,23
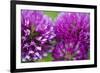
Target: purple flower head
36,32
72,31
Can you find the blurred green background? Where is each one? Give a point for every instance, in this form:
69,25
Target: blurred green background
52,14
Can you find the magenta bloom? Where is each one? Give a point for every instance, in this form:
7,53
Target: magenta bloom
72,31
36,33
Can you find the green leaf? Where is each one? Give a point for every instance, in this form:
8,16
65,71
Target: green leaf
46,59
52,14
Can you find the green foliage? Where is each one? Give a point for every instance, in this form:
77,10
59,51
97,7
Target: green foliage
52,14
46,59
